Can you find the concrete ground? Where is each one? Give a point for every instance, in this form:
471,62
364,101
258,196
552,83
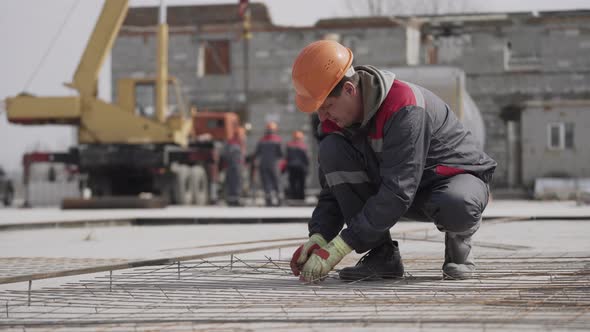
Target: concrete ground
532,275
21,217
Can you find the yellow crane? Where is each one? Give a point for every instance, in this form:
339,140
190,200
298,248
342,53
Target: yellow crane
102,122
140,143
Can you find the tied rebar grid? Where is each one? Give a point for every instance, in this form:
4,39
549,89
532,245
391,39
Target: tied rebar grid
510,292
26,266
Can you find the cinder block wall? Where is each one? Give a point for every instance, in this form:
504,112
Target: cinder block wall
561,43
538,160
560,40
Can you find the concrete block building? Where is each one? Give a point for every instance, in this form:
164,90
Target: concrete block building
555,140
509,59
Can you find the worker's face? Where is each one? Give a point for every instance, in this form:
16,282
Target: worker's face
345,109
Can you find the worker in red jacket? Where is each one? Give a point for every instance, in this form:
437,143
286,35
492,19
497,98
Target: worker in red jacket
268,154
390,149
233,155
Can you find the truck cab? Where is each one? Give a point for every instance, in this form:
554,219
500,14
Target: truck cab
138,96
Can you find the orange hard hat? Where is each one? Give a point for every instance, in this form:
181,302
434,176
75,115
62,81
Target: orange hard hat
271,126
316,71
297,135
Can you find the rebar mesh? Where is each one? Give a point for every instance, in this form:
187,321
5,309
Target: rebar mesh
532,292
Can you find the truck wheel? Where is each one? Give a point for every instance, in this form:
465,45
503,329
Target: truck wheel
100,186
200,185
183,183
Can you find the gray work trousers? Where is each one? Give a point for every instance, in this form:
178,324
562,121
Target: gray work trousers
271,182
233,183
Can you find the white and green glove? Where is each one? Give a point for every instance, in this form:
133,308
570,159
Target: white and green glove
323,260
300,256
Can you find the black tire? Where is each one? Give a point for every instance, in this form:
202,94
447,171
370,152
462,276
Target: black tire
200,186
100,186
182,185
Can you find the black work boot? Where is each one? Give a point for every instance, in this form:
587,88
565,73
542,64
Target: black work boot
382,262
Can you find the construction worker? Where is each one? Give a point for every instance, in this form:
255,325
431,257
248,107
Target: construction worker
268,153
233,154
297,165
390,149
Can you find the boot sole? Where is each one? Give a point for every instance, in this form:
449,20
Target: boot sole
369,278
453,273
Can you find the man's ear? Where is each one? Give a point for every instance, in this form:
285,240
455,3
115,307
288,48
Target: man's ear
350,88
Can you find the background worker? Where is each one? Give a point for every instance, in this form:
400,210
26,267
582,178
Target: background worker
391,149
297,165
268,153
233,155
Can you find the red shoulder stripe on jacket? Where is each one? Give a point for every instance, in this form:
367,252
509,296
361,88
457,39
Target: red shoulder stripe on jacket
448,171
272,138
299,145
400,95
234,141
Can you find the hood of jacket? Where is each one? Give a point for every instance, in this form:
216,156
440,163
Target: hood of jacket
375,85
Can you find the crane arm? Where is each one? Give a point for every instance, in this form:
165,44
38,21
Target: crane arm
99,46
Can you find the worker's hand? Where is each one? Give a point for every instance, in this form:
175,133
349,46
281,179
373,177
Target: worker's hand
324,259
300,256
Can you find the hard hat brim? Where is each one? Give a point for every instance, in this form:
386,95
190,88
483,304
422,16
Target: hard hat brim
313,83
308,105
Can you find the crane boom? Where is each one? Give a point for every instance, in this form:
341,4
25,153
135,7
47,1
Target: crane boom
99,46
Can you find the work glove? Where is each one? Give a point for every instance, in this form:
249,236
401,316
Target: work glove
324,259
300,256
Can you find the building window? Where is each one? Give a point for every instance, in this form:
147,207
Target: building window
145,100
560,136
522,52
569,135
213,58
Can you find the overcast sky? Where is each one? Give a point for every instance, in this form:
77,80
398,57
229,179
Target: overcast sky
37,57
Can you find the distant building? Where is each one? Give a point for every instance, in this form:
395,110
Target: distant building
509,59
555,140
